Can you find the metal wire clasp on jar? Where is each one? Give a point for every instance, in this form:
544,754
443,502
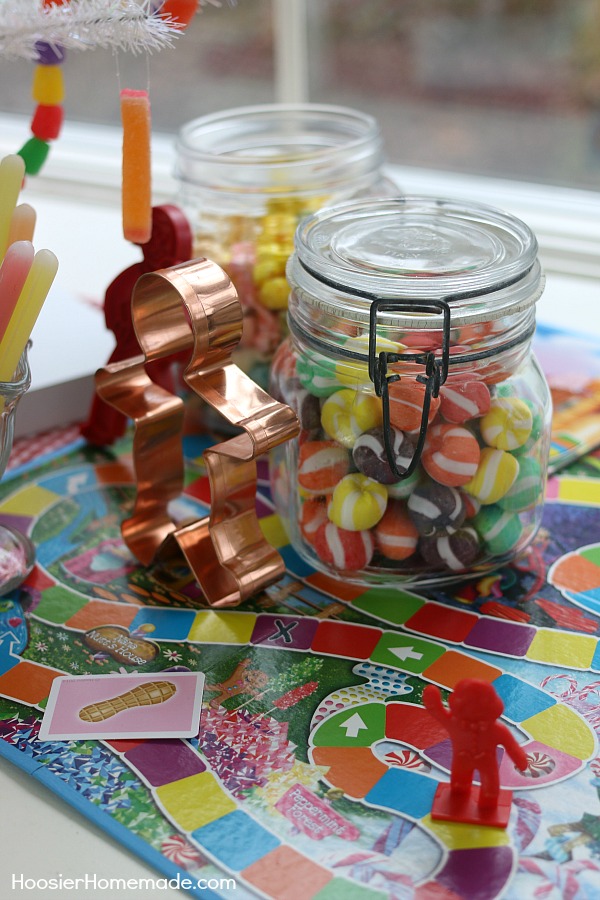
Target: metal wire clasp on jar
425,417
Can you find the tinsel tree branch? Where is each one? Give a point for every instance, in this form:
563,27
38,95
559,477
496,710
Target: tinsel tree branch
130,25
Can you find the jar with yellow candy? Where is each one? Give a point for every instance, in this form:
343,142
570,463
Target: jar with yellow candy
425,418
247,177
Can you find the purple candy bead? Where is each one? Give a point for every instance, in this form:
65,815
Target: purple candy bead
370,457
434,506
49,54
455,549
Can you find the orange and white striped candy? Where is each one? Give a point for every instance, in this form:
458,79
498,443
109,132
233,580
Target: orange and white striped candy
321,466
406,405
451,454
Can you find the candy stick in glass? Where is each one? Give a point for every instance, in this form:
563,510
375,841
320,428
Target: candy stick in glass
14,270
28,306
12,172
136,190
22,224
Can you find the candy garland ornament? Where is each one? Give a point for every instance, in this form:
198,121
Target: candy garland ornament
44,30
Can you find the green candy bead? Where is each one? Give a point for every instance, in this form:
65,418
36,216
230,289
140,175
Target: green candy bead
34,153
527,489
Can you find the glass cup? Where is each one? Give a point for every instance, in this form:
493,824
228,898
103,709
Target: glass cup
17,554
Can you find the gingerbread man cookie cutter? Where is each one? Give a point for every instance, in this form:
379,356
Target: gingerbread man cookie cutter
194,307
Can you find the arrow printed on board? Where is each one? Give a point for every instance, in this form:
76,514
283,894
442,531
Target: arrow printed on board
353,725
405,653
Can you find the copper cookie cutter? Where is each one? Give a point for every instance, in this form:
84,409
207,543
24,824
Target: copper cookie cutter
194,307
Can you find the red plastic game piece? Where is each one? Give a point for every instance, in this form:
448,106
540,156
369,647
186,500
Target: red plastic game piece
471,722
170,245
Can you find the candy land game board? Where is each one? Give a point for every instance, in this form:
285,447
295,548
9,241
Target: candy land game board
313,771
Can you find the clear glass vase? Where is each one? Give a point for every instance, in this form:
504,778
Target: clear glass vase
17,554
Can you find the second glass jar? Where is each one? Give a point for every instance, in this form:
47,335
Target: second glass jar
247,176
425,417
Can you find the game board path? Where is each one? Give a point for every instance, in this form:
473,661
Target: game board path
554,731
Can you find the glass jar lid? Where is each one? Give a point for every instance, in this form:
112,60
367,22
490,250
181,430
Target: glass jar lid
480,260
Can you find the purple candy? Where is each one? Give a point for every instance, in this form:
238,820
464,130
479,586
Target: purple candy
370,457
49,54
455,549
434,506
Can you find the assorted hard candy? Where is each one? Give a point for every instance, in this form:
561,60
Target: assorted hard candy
471,498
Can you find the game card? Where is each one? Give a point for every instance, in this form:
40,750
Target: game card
159,704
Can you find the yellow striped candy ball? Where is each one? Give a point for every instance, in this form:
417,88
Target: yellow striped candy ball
354,373
358,503
508,423
347,413
496,473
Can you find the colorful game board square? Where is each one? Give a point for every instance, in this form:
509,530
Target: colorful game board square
236,840
453,666
69,481
58,604
123,746
412,724
168,624
334,588
499,636
286,874
406,652
344,639
560,648
342,889
354,770
273,530
222,627
28,682
102,612
442,622
284,631
560,727
195,801
114,473
477,872
199,489
7,660
29,501
358,726
521,700
461,836
163,761
389,604
403,791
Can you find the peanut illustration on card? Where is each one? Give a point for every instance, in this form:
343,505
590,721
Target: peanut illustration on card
143,695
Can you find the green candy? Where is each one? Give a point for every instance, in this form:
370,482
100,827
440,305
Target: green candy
317,375
527,489
499,530
34,153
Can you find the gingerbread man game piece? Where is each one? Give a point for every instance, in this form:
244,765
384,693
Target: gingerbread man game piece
475,732
170,245
241,681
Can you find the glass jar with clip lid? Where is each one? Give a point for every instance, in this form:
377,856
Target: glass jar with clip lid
425,417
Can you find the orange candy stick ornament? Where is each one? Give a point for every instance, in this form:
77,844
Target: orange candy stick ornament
137,184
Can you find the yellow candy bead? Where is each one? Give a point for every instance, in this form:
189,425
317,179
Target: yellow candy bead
496,473
358,503
48,86
274,294
508,423
347,413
